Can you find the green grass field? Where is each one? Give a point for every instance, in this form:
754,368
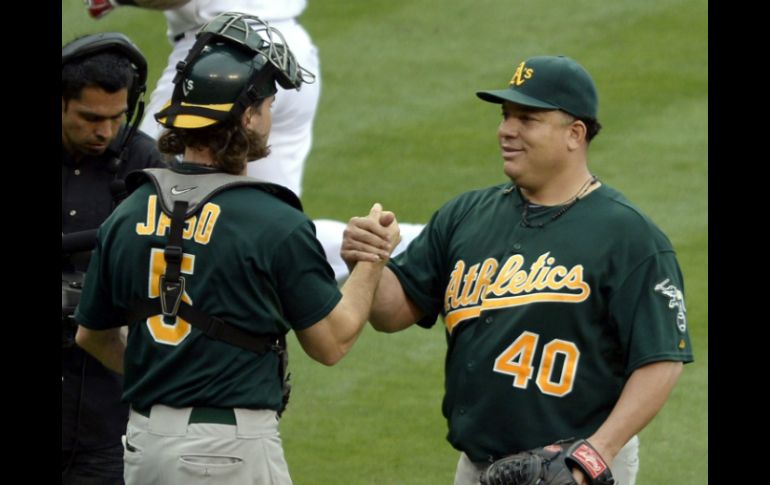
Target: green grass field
399,123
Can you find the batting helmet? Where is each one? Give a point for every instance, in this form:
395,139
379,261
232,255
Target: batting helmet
236,60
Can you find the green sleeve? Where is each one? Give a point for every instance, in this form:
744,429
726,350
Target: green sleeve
650,314
95,310
305,281
422,269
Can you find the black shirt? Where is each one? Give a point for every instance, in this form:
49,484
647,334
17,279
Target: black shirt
91,407
85,184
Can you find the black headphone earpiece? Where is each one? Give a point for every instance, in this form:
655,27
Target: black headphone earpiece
92,44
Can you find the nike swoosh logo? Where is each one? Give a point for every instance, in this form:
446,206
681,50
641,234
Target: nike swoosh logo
176,191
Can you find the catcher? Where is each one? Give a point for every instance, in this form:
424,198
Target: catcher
563,303
211,269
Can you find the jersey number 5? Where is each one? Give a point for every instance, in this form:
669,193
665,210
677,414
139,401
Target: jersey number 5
517,359
169,334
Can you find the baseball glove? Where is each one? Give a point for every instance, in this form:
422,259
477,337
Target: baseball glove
550,465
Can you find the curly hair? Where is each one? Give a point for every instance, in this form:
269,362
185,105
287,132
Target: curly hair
230,144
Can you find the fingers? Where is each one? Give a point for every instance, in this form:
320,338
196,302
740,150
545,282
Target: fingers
367,232
359,244
578,476
371,238
364,239
374,212
386,218
387,221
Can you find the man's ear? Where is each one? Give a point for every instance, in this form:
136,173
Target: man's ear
246,116
576,134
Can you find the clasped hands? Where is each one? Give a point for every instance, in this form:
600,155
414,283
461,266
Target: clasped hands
371,238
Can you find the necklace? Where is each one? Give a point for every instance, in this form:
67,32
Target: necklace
567,205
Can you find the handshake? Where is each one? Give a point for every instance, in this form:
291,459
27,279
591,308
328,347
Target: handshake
371,238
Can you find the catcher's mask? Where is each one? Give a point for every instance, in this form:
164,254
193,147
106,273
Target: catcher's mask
235,61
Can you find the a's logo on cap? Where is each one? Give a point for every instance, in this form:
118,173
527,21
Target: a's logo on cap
521,75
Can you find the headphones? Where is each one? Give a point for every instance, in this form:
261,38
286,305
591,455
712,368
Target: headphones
113,41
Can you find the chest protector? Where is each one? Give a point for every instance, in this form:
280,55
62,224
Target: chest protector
181,195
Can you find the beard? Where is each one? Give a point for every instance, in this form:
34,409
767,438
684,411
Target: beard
258,147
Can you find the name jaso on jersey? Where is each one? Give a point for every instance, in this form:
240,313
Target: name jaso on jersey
197,227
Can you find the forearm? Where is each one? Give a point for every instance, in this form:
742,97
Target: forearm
392,310
330,339
357,297
368,242
107,346
644,394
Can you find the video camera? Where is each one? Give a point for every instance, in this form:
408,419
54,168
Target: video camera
72,281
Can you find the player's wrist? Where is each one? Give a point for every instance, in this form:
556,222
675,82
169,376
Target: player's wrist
603,447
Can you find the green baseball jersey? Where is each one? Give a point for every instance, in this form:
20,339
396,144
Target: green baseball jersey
249,259
544,324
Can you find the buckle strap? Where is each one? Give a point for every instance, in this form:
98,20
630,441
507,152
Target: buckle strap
218,329
172,284
171,295
213,327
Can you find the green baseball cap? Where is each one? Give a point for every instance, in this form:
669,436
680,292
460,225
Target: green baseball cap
550,82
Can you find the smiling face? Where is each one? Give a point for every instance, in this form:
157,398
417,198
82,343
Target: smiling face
535,144
90,123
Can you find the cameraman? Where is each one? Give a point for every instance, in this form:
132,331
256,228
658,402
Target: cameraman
103,79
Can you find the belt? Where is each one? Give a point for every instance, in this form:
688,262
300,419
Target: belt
203,414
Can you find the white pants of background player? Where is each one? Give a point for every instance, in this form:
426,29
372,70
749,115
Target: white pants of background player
290,136
624,467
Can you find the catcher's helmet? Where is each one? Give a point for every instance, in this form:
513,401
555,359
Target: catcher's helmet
236,60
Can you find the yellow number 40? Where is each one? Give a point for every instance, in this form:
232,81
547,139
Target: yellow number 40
516,360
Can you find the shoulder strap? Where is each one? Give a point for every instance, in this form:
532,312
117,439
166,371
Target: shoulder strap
197,189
